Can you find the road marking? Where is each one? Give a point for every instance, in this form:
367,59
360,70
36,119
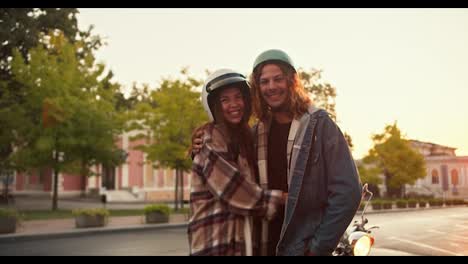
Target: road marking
454,244
458,215
448,235
425,246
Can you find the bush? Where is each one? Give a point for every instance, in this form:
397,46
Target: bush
436,202
96,217
9,220
422,203
160,208
401,203
8,213
91,212
157,213
376,204
412,203
458,202
387,204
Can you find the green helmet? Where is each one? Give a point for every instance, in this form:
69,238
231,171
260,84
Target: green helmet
273,55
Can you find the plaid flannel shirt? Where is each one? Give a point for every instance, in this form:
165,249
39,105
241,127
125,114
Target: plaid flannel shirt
224,197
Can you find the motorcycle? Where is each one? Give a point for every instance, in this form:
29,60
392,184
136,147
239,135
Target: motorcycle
358,240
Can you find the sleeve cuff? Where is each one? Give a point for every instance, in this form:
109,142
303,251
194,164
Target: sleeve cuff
273,201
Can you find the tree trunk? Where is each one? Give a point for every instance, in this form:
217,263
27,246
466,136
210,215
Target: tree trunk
181,173
176,194
56,176
55,195
83,179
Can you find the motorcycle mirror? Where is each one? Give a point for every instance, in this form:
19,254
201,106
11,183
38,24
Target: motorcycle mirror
365,190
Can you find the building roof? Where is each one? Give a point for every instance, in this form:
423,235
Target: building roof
433,149
431,144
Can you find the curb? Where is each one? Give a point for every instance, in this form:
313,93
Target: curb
137,228
386,211
86,232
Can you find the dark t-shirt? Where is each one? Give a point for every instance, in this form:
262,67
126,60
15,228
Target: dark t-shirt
277,176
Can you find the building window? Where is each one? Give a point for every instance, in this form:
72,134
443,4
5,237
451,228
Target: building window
42,175
454,177
435,177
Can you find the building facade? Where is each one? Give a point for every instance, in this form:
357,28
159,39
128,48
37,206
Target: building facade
137,180
446,173
134,180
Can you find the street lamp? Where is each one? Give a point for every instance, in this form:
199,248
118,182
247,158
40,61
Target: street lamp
58,156
7,178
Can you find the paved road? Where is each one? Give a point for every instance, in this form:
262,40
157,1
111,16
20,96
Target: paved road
431,232
164,242
438,232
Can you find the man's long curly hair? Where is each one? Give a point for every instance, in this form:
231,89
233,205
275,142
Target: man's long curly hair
299,100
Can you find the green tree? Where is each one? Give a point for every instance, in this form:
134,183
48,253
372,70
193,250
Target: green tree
96,126
323,94
22,29
68,116
396,160
371,175
173,111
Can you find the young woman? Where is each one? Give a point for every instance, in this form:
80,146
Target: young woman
224,195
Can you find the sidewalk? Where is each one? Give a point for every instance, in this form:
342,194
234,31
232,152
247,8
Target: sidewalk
38,229
58,228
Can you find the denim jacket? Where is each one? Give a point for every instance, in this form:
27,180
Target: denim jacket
324,188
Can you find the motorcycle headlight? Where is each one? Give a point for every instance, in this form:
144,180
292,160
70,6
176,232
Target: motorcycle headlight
362,243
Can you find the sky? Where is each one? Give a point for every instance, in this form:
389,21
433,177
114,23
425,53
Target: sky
408,66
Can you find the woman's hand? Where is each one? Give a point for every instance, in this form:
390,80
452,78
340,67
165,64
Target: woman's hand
197,141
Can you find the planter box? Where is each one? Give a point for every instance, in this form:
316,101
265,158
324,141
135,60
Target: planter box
156,217
7,225
402,205
387,206
84,221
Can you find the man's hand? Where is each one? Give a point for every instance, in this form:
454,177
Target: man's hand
284,198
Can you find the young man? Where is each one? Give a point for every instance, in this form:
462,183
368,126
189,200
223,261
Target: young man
300,148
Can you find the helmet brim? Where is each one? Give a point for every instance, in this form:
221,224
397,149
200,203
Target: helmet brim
224,82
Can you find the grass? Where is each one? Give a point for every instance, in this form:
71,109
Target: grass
65,214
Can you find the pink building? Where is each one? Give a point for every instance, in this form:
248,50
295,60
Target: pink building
135,180
446,173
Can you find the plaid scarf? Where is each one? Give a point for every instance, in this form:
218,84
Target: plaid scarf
295,137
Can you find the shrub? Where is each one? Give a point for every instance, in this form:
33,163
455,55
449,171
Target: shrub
436,202
401,203
412,203
91,212
8,213
387,204
422,203
96,217
161,208
376,204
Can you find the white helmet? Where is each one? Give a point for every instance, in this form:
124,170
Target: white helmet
218,79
